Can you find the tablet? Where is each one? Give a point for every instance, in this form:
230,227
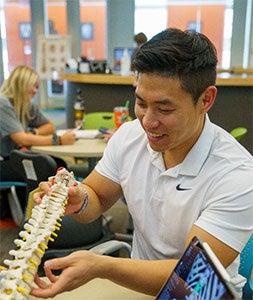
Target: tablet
198,275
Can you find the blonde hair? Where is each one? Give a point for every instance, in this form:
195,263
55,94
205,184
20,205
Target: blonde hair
16,89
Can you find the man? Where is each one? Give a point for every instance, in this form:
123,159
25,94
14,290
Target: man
181,175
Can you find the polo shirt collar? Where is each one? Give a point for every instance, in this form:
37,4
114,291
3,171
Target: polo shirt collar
194,160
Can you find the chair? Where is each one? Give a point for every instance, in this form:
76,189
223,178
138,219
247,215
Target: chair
238,132
246,268
95,120
73,235
33,167
14,203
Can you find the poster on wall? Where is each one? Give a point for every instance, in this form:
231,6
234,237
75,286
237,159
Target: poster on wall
52,54
194,26
87,31
25,30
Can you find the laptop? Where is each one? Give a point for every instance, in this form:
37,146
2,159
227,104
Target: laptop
198,275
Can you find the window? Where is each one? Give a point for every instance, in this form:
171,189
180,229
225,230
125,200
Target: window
154,16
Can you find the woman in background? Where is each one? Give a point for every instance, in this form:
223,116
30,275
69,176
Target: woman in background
22,123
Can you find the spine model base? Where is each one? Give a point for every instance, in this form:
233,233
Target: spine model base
45,219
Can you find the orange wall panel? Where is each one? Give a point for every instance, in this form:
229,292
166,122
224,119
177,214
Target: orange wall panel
58,14
95,15
15,46
212,21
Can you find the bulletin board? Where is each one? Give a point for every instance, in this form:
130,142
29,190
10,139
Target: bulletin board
53,51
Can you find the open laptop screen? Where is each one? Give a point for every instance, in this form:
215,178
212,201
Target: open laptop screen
197,276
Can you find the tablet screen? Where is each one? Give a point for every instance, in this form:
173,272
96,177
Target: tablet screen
195,277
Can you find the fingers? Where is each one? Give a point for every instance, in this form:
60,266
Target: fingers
68,137
50,275
54,286
76,196
75,191
41,283
45,186
43,189
48,270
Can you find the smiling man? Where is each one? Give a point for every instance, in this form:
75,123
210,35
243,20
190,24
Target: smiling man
181,175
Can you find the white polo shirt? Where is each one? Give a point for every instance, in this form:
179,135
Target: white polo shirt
211,188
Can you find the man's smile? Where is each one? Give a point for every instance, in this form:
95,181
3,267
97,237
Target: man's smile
152,135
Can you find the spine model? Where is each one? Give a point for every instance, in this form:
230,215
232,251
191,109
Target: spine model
45,219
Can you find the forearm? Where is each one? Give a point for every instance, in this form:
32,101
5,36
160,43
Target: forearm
139,275
82,266
46,129
27,139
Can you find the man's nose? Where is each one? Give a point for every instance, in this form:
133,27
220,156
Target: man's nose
150,119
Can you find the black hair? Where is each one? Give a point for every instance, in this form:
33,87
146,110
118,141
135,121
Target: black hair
187,55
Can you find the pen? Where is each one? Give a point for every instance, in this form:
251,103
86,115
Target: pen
78,128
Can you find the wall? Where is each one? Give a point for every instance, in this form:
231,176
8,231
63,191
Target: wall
96,15
15,14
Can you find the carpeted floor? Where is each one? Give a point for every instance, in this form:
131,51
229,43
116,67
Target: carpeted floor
7,223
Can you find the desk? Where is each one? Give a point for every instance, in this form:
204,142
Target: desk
82,148
101,289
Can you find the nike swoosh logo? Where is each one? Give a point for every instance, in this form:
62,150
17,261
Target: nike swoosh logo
179,188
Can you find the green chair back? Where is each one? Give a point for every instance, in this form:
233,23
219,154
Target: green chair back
95,120
238,132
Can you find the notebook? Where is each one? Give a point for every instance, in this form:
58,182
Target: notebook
82,134
198,275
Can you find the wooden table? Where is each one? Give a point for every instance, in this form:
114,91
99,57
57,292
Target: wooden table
101,289
82,148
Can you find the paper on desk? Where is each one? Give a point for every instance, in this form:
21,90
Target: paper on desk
82,134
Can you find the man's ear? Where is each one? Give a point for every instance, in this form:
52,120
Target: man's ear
207,98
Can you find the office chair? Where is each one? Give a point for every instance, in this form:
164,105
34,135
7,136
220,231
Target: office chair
33,167
73,235
238,132
246,268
